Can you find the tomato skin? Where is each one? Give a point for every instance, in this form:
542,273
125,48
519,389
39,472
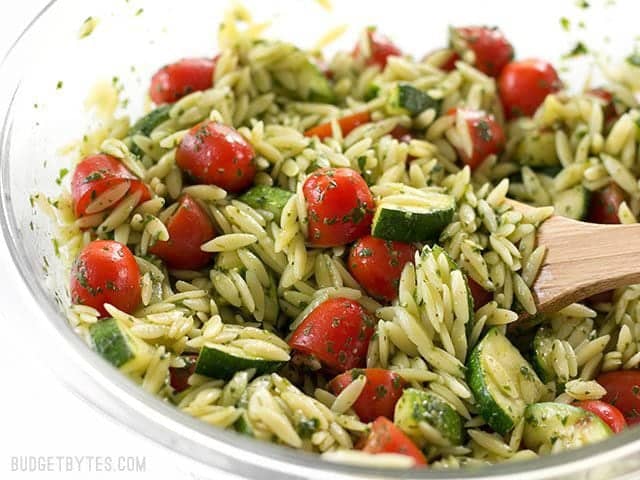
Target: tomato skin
95,175
377,265
347,124
623,392
480,296
402,134
339,206
491,49
189,227
604,204
217,154
379,395
523,85
381,49
487,136
174,81
179,376
106,272
337,333
607,413
385,437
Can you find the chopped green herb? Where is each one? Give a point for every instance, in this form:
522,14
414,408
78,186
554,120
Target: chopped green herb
579,49
61,174
565,24
59,85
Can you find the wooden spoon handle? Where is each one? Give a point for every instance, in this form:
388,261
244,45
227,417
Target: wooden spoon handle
584,259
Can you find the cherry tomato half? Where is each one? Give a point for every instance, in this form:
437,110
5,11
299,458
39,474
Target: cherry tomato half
607,413
480,296
492,51
524,84
102,174
377,265
379,395
337,333
179,376
172,82
347,124
189,227
339,206
214,153
106,272
487,136
385,437
623,392
604,204
380,48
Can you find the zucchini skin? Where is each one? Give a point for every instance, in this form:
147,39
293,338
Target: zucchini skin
147,124
264,197
404,226
538,150
487,406
215,363
573,203
407,99
110,342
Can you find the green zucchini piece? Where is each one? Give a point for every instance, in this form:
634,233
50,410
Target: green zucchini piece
572,203
264,197
415,406
319,87
547,423
542,345
223,361
421,219
537,149
111,339
405,99
146,125
502,381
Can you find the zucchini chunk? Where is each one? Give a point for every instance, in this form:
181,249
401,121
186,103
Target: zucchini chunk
264,197
223,361
542,345
318,88
111,339
413,219
147,124
572,203
502,381
538,150
548,423
405,99
417,406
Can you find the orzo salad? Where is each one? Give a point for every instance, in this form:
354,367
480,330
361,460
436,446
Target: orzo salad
318,252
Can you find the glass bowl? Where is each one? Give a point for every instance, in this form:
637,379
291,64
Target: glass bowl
43,82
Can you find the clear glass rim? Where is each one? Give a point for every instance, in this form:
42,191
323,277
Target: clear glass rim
124,401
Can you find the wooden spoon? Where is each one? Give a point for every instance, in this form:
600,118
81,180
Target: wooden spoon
583,259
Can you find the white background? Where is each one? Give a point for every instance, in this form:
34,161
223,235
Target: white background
38,415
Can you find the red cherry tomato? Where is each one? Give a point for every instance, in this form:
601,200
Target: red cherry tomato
380,48
347,124
607,413
189,227
339,206
377,265
608,108
623,392
385,437
380,393
491,49
604,204
524,84
480,296
106,272
216,154
179,376
337,333
402,134
98,174
172,82
487,136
